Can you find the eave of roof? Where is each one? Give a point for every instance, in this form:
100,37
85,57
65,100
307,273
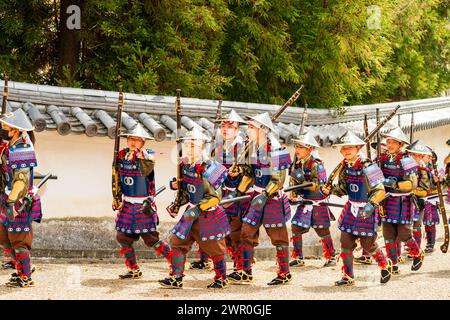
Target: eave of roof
75,110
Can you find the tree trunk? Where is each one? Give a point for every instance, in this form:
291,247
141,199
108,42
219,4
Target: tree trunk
69,37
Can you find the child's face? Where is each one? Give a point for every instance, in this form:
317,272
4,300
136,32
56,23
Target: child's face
417,157
393,146
252,132
350,152
193,149
229,130
135,143
426,158
302,151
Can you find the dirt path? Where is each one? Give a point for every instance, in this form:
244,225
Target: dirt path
63,280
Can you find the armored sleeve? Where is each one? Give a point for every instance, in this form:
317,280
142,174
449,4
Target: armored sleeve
276,182
376,194
211,197
314,176
423,185
146,166
20,183
247,179
409,180
340,189
408,184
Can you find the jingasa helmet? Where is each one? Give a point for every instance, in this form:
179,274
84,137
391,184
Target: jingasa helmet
419,147
349,139
232,116
396,134
307,139
262,119
18,120
195,134
138,131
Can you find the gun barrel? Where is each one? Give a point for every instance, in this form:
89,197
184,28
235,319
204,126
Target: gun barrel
381,124
160,189
41,176
299,186
288,103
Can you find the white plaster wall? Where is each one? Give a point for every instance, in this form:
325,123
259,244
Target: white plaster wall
83,166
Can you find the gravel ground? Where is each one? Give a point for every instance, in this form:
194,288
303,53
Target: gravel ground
62,279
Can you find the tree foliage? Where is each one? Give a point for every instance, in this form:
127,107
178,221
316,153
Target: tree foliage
344,52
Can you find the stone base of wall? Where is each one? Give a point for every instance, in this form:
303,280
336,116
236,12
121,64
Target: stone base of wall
94,238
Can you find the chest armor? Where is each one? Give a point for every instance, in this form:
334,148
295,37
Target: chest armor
261,169
133,183
304,175
18,158
227,157
392,170
227,161
356,185
261,174
296,172
193,183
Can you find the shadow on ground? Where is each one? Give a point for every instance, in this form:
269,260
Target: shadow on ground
114,285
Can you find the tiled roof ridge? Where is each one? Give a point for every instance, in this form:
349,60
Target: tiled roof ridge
92,112
157,105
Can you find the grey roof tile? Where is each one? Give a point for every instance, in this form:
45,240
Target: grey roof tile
156,113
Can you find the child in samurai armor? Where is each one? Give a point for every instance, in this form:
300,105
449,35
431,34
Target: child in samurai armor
306,168
265,173
137,217
227,152
229,144
21,205
447,173
8,262
365,257
361,180
418,150
431,206
204,220
400,172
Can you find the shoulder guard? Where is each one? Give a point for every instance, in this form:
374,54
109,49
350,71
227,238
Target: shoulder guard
321,172
373,173
281,159
215,173
22,155
409,165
